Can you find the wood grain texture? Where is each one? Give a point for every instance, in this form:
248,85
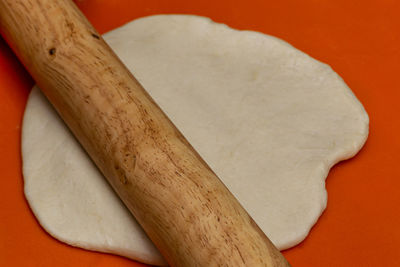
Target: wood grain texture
184,208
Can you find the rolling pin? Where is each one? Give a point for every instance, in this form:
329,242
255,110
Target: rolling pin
181,204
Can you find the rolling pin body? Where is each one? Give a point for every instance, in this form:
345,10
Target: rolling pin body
184,208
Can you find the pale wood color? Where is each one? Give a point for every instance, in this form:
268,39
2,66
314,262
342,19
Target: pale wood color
184,208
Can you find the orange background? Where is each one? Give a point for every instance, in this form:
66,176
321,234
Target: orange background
361,41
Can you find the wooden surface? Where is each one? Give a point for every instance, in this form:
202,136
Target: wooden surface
360,41
181,204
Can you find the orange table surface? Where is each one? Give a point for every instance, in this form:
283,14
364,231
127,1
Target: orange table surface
359,39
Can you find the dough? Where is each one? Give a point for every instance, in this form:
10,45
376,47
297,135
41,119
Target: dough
270,120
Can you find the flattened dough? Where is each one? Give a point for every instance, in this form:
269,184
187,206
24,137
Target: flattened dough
270,120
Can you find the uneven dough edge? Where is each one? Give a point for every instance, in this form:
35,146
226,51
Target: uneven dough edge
331,160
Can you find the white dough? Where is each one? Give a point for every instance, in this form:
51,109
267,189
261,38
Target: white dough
270,121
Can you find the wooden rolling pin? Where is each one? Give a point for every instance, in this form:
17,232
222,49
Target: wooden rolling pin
184,208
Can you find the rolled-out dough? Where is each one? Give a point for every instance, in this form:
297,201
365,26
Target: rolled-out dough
270,121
